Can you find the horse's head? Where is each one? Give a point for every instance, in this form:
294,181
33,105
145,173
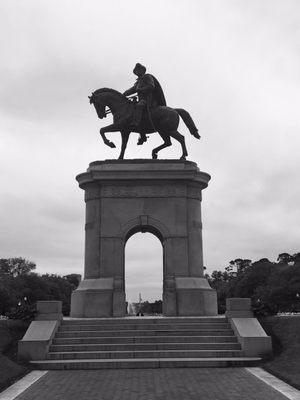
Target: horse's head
99,104
106,97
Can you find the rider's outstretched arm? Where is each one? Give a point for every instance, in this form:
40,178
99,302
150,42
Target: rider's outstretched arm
130,91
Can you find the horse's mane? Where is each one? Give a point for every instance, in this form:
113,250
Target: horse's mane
109,90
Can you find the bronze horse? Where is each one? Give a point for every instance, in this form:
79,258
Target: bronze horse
164,120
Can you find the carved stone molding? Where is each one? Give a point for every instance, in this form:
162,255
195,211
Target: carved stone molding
194,193
142,222
143,191
92,192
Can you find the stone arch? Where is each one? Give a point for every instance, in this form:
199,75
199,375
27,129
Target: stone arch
152,242
144,223
162,197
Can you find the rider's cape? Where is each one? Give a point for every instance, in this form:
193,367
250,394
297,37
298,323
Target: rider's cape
158,94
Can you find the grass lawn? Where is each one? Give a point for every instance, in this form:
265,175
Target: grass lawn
285,332
10,369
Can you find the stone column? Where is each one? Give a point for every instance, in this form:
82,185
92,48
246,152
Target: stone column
92,232
99,294
194,229
194,295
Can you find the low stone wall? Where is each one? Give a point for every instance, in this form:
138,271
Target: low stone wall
38,337
252,337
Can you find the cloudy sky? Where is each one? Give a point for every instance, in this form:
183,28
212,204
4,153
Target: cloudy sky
234,65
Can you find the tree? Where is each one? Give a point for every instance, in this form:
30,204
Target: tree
238,265
15,266
272,287
58,288
73,279
149,308
246,283
281,293
5,298
157,307
284,258
30,288
219,281
296,259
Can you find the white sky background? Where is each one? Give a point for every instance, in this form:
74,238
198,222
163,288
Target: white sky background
234,65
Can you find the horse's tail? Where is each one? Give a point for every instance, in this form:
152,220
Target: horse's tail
187,119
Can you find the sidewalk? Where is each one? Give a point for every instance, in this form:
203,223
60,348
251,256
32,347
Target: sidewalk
151,384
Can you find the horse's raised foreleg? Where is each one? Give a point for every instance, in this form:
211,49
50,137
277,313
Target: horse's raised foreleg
125,136
167,143
109,128
178,136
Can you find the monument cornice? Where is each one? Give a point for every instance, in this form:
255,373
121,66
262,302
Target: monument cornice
114,171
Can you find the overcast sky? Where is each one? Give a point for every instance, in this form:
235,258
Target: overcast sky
234,65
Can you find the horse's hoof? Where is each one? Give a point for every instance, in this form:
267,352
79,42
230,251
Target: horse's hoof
111,144
154,156
183,158
142,140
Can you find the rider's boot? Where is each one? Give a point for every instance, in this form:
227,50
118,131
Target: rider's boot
137,117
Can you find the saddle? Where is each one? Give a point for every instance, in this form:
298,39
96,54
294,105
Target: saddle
146,123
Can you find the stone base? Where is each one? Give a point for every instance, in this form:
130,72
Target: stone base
189,296
195,297
49,311
96,298
238,308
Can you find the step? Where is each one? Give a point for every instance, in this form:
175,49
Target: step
144,339
144,354
146,363
142,320
171,332
144,346
161,327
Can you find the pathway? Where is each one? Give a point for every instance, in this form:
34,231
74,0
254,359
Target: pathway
152,384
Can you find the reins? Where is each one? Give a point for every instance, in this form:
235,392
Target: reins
108,111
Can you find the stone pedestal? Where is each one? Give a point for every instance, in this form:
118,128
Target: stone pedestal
49,311
158,196
250,334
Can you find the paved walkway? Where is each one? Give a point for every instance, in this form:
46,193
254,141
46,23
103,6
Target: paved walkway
151,384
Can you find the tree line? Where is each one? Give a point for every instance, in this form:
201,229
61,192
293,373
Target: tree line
21,288
148,308
272,286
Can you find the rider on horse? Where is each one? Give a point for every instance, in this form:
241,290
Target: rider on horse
150,95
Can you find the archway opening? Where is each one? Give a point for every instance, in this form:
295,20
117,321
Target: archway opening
144,273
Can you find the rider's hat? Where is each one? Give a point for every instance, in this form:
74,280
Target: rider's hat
139,66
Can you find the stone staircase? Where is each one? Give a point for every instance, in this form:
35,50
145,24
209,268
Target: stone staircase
143,342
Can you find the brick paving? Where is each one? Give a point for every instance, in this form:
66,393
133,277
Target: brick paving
151,384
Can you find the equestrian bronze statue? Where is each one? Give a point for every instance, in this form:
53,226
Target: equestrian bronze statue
147,113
